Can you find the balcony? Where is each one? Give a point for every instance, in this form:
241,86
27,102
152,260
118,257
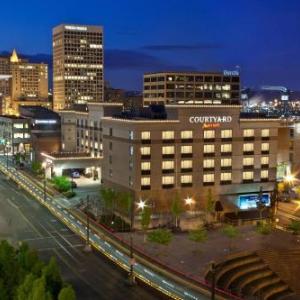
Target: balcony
186,155
145,187
167,171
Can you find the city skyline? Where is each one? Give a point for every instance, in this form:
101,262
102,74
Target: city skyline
201,36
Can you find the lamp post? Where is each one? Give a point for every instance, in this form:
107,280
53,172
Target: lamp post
140,205
213,279
189,202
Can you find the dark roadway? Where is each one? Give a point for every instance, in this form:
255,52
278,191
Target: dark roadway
92,276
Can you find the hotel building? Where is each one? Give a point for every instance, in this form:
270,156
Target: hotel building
192,88
77,65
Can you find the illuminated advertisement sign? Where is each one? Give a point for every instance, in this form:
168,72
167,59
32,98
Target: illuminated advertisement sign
45,121
250,201
210,119
231,73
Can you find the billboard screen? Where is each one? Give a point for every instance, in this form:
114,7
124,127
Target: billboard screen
250,201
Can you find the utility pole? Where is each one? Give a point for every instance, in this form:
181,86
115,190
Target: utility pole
213,279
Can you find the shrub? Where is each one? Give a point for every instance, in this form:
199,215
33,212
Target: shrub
160,236
294,226
264,228
198,235
61,183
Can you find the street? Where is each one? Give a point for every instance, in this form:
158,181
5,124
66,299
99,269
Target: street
93,276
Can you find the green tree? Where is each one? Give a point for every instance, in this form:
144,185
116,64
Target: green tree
39,290
160,236
231,232
145,219
52,277
176,209
62,183
36,167
25,289
67,293
198,235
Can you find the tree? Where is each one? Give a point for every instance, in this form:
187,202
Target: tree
294,227
231,232
176,209
67,293
62,184
52,277
108,196
36,167
160,236
198,235
145,219
39,290
25,289
210,205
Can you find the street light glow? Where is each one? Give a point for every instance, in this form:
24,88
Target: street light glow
141,204
289,178
189,201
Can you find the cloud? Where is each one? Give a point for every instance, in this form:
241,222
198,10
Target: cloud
116,59
182,47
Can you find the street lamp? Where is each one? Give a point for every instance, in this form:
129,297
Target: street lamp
189,201
140,205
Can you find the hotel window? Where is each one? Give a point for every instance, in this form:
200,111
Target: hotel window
145,181
186,149
130,134
208,178
248,147
167,165
167,180
264,160
265,133
208,163
18,135
248,175
248,133
226,148
226,177
168,135
248,161
186,135
167,150
18,125
265,147
145,150
26,135
186,164
145,135
264,174
226,134
226,162
185,179
145,166
208,134
209,148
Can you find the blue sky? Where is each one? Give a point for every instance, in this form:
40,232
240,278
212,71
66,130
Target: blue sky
261,36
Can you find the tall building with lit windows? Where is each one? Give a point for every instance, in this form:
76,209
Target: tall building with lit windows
77,65
192,87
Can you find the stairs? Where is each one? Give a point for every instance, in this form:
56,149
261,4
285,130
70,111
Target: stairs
249,276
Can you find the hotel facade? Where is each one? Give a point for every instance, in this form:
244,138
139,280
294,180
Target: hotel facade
77,65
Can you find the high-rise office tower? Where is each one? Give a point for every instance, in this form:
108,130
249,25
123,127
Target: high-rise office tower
77,65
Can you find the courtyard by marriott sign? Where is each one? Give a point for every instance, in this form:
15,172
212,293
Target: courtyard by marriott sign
210,119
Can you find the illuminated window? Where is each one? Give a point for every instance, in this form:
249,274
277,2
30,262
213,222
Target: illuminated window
168,180
209,148
248,147
18,135
248,175
226,162
208,134
168,165
186,149
26,135
187,134
168,135
166,150
18,125
226,148
186,164
186,179
208,178
145,135
145,181
248,161
265,132
264,160
264,174
145,166
208,163
265,147
226,134
248,132
226,176
145,150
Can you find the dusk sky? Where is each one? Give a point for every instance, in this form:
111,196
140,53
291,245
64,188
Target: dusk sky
260,36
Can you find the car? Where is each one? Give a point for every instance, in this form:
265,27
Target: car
75,174
73,184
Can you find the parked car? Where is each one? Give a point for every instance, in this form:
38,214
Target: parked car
75,174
